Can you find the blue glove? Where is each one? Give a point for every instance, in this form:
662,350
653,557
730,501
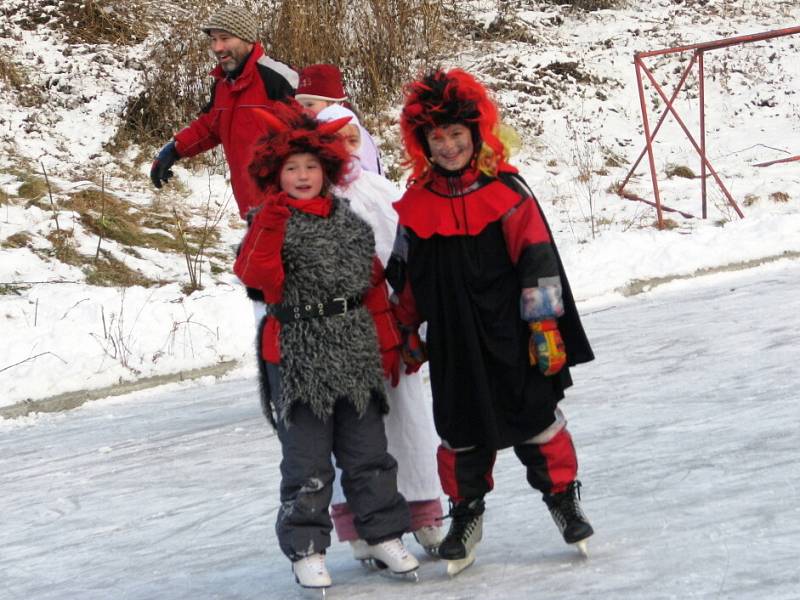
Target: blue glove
161,170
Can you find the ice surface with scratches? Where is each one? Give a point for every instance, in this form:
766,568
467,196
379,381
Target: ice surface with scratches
686,429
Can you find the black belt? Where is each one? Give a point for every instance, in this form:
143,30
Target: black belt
287,313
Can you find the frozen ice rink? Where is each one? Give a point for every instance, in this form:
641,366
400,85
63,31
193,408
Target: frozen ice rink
686,426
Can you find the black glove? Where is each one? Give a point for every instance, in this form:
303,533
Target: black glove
160,171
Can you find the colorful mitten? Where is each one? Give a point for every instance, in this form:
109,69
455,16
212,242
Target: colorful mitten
545,347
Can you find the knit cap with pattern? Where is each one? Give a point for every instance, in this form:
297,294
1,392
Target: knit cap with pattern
236,21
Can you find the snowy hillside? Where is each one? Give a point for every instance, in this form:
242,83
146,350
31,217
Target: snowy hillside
79,311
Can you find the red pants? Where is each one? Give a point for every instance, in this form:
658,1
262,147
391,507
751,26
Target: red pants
423,513
467,474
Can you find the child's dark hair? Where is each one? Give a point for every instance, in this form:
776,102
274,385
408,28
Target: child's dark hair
294,132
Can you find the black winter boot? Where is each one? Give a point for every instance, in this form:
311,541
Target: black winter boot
566,510
466,529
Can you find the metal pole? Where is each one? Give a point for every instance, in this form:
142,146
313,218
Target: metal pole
724,43
648,139
661,119
702,75
675,114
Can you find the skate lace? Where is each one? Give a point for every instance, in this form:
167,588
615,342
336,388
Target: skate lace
569,504
395,548
317,563
464,518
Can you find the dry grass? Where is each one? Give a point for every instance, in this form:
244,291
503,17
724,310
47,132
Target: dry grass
667,224
104,270
10,73
17,240
108,271
590,5
679,171
132,225
112,218
33,187
63,248
750,200
779,197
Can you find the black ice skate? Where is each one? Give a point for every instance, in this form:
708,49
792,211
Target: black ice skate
566,510
466,530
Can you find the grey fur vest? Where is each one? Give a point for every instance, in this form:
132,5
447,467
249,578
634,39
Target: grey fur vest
327,358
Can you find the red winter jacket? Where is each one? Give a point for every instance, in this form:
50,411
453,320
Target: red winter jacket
229,119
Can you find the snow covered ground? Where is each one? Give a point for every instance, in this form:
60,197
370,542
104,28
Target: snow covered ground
565,82
686,427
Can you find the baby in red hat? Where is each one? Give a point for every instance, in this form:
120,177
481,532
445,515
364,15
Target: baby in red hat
321,86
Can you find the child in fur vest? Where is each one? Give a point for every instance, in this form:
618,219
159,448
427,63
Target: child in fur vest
409,425
325,344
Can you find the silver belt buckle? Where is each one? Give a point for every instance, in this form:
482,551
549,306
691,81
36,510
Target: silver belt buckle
344,304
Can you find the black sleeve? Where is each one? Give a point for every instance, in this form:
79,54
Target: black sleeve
276,85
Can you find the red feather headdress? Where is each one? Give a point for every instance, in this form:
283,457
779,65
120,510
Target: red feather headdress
444,98
293,132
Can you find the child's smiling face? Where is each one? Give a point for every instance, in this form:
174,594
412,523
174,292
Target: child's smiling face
451,146
302,176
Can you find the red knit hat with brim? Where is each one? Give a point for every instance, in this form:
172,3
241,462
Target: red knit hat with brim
321,82
291,131
442,98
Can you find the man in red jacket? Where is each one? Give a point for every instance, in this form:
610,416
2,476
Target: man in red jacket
244,79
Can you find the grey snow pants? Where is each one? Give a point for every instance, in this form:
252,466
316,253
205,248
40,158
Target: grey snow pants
369,476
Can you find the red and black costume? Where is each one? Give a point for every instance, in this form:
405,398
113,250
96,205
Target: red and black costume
471,244
475,260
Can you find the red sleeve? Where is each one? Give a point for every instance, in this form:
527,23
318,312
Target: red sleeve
200,135
523,226
259,264
376,301
404,308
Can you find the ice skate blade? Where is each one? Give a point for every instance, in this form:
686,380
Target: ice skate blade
311,589
374,564
454,567
410,576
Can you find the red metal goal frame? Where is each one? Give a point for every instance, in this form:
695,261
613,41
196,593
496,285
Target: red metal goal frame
698,51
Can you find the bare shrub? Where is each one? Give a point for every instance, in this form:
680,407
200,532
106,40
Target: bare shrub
376,43
103,21
174,88
590,5
204,236
10,73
